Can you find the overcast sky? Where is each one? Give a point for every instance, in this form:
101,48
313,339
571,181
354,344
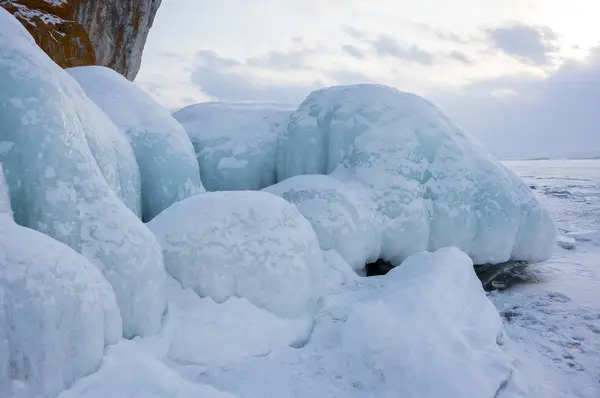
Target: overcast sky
521,75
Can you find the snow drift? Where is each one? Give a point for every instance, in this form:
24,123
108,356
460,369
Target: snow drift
242,244
424,330
169,171
48,149
57,312
432,185
235,144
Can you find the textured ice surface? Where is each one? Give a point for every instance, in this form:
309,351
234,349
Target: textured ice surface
235,143
56,185
242,244
164,153
432,184
57,312
342,214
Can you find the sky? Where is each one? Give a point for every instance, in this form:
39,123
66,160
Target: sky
522,76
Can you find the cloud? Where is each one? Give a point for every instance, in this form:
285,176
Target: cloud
530,44
526,116
460,57
388,45
353,51
227,79
294,59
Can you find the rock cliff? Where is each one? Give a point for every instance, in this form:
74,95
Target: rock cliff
118,30
111,33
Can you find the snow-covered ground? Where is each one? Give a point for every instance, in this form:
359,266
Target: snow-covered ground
555,324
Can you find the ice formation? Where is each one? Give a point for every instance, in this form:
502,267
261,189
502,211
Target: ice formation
342,215
168,168
244,244
235,143
57,312
56,185
432,185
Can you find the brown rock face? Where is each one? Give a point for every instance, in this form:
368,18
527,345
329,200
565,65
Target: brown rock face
52,25
118,30
110,33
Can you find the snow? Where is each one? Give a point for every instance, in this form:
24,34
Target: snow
432,184
235,143
169,171
420,330
243,244
554,324
56,184
57,312
342,215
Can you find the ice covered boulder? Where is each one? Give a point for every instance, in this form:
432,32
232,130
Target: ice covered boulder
433,185
57,312
342,214
428,331
242,244
235,143
164,153
56,184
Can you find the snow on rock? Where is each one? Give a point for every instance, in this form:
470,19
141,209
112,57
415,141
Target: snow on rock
243,244
433,185
342,215
169,171
235,144
57,312
129,371
56,184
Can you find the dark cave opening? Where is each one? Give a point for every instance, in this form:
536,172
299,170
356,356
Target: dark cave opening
379,267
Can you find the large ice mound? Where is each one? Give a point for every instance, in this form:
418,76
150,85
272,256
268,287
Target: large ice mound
57,312
169,171
56,185
235,144
242,244
432,185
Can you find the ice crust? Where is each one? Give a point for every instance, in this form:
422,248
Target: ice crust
57,312
433,185
55,182
235,144
164,153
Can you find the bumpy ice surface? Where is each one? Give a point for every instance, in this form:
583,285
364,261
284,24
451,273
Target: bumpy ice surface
57,312
235,143
56,184
342,215
244,244
169,171
432,184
